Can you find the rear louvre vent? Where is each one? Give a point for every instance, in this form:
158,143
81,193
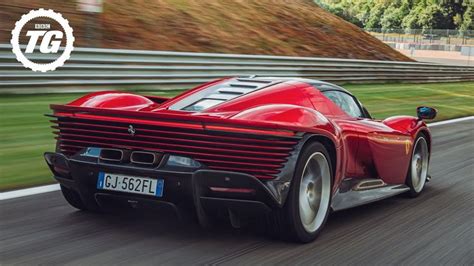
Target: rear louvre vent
242,85
262,81
221,96
223,92
261,156
235,91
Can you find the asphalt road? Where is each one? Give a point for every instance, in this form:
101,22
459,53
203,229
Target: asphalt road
435,228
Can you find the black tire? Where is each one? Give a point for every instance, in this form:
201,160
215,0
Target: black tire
75,200
415,189
286,223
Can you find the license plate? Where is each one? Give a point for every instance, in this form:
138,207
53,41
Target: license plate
130,184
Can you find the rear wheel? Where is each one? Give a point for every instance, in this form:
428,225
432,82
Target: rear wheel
418,170
307,207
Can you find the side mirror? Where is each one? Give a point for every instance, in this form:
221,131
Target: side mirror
425,112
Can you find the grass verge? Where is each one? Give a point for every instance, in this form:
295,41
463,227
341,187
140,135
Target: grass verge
25,133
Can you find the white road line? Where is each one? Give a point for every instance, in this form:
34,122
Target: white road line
49,188
445,122
28,192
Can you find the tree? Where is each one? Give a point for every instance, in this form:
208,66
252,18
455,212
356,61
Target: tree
467,18
375,16
407,14
393,15
342,8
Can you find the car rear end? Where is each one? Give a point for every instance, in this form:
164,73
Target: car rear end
138,159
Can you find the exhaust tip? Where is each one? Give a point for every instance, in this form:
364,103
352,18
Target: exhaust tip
145,158
111,155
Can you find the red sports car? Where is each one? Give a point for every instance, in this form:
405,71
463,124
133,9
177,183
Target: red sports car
287,150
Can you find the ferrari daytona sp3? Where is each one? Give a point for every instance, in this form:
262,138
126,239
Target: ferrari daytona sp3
285,150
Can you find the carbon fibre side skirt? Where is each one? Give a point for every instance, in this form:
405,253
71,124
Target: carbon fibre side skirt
352,193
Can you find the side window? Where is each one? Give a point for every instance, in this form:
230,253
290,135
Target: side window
346,102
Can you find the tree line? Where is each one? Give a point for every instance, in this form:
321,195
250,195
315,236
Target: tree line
404,14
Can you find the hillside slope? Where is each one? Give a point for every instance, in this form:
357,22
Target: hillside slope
297,27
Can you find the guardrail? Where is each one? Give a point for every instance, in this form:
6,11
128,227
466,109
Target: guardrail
89,67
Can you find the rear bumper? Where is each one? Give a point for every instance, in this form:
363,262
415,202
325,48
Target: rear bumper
206,190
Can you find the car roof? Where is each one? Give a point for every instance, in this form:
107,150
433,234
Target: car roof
238,86
318,84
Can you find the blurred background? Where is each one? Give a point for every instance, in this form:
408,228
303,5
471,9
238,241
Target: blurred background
298,28
149,46
438,31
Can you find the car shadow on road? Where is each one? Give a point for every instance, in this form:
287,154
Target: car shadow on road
148,223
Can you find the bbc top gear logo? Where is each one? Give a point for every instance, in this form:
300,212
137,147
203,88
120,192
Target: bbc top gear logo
47,45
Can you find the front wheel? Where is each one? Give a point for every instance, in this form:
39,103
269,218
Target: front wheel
418,170
307,207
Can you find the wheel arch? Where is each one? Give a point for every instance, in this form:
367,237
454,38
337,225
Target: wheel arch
427,134
331,149
285,222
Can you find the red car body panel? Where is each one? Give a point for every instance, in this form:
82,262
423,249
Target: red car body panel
365,148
